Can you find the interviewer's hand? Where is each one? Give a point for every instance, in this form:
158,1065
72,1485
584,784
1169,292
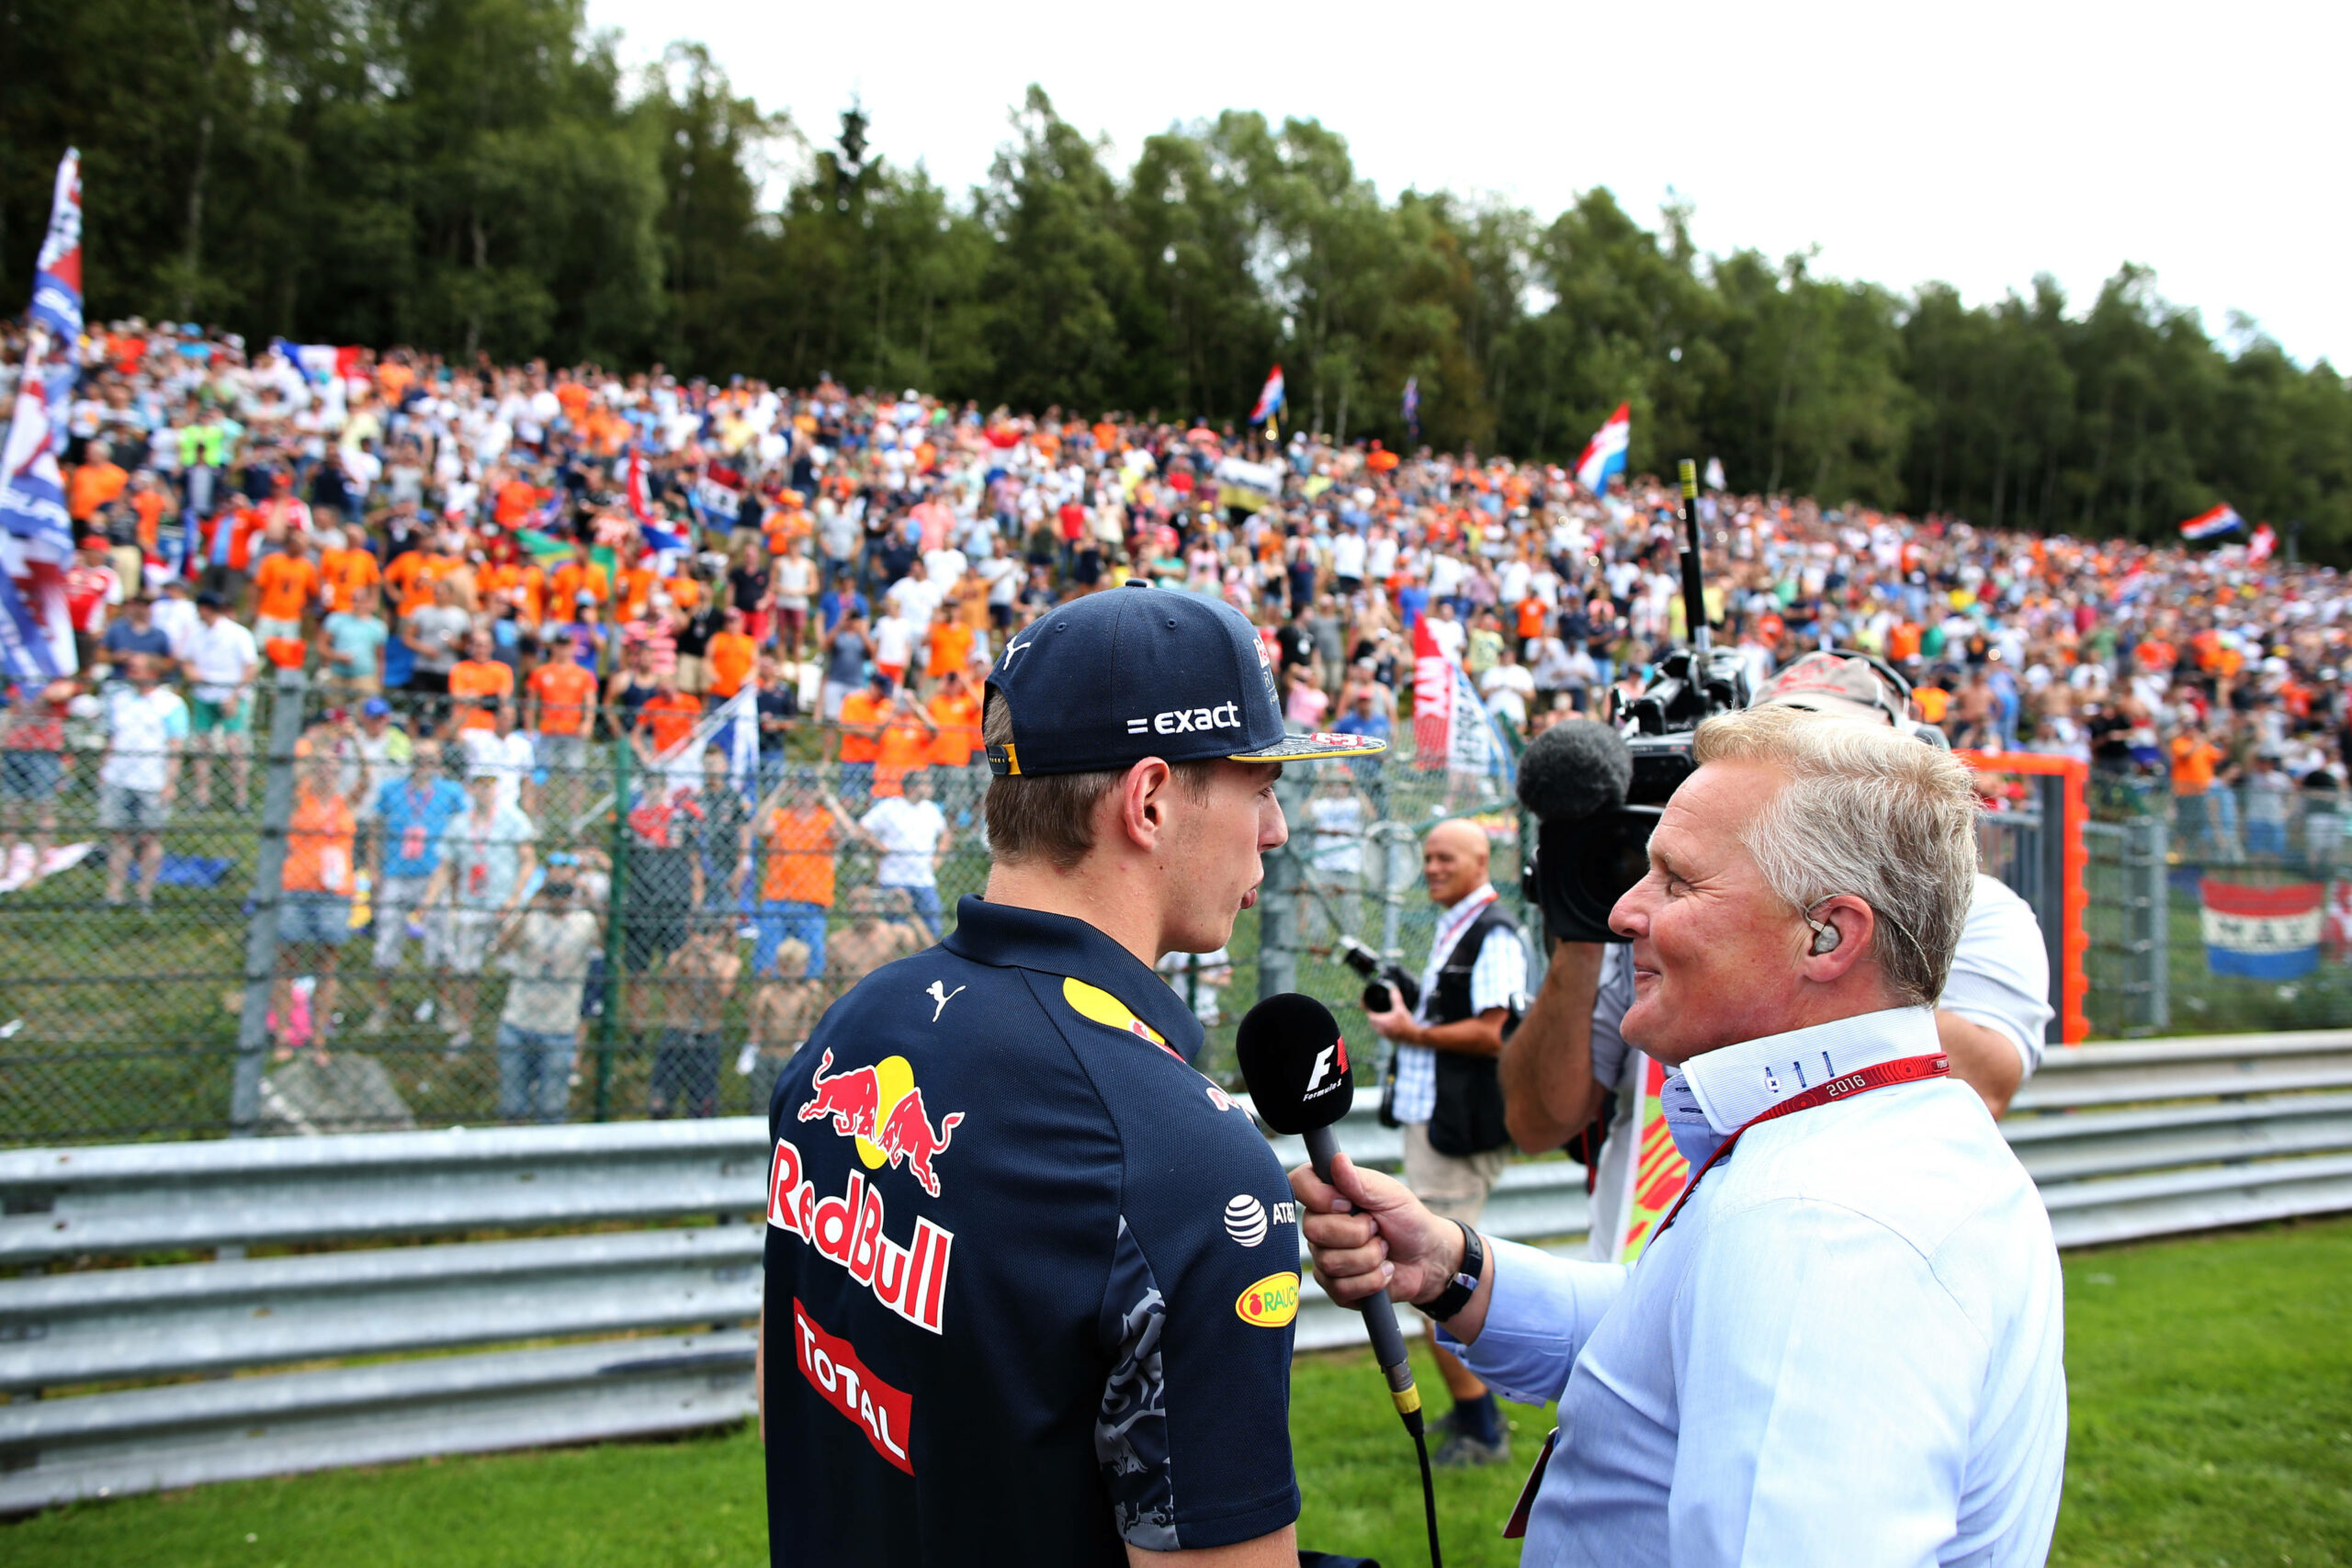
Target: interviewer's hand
1367,1231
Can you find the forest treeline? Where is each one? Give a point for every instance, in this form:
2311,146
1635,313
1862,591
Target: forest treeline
481,177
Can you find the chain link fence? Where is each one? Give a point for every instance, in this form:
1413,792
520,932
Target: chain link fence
195,941
214,947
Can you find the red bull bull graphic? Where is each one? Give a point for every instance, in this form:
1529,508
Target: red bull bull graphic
907,1134
882,1109
832,1369
911,1281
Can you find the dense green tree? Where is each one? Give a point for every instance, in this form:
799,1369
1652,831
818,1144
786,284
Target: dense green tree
478,178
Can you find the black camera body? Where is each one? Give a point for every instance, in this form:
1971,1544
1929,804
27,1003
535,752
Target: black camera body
1582,866
1385,983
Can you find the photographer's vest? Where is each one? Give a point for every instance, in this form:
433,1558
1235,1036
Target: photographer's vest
1469,1115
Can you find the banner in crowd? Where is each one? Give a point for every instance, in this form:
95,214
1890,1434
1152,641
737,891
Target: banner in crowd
2261,933
1452,728
57,276
36,533
1604,455
1652,1171
1246,486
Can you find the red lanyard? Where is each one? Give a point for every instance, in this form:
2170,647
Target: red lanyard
1906,1069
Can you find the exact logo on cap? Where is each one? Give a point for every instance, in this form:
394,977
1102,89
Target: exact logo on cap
1181,721
1103,683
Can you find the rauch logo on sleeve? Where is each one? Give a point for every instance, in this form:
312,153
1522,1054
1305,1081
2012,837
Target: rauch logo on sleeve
911,1281
1271,1302
832,1369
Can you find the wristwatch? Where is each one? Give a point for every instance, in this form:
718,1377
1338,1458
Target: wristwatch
1465,1283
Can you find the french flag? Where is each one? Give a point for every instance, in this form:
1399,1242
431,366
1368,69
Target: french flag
2222,519
1269,399
1604,455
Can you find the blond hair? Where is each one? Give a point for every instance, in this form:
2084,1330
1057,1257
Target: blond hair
1866,811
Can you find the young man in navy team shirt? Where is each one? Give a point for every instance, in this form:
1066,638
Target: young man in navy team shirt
1030,1274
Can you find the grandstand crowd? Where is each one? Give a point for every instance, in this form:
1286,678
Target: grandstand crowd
495,573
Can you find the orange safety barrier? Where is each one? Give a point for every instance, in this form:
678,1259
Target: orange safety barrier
2073,901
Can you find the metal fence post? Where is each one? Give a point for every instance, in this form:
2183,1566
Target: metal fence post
608,1020
1278,897
261,928
2146,848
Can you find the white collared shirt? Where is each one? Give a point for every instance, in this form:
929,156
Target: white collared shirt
1848,1349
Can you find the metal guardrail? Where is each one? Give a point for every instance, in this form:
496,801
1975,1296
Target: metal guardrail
2124,1141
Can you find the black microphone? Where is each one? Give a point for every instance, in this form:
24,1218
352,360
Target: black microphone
1577,768
1296,1067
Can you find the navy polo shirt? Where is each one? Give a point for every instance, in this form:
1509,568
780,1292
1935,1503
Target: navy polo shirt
1030,1274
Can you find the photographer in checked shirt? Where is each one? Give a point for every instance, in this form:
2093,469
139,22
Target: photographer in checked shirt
1442,1087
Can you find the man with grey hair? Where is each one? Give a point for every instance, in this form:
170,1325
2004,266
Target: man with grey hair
1568,1054
1844,1344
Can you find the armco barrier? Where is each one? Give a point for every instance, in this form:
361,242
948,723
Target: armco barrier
653,1276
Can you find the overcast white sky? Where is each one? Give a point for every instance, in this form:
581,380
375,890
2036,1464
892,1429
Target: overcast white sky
1978,144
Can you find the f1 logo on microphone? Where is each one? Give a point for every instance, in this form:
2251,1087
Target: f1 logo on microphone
1330,1070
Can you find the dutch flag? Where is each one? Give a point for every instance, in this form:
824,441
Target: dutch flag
1270,400
2222,519
1605,453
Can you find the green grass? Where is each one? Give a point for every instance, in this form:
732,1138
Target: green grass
2210,1380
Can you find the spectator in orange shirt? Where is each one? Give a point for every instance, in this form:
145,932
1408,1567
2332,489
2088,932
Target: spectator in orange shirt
664,720
518,498
2206,817
409,579
951,641
479,675
798,828
864,714
314,912
904,746
561,714
579,575
149,504
284,584
956,711
344,570
95,482
732,656
633,592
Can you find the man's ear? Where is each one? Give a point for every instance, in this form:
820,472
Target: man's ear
1853,923
1140,803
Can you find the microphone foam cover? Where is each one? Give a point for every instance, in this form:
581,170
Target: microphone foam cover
1296,1064
1577,768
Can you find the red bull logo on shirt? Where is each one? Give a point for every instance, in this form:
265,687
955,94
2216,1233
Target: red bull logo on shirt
833,1370
911,1281
882,1109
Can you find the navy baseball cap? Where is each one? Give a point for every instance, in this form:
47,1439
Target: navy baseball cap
1140,671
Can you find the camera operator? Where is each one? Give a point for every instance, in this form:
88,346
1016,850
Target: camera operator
1568,1054
1443,1087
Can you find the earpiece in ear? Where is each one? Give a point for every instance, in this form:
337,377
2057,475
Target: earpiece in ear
1825,938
